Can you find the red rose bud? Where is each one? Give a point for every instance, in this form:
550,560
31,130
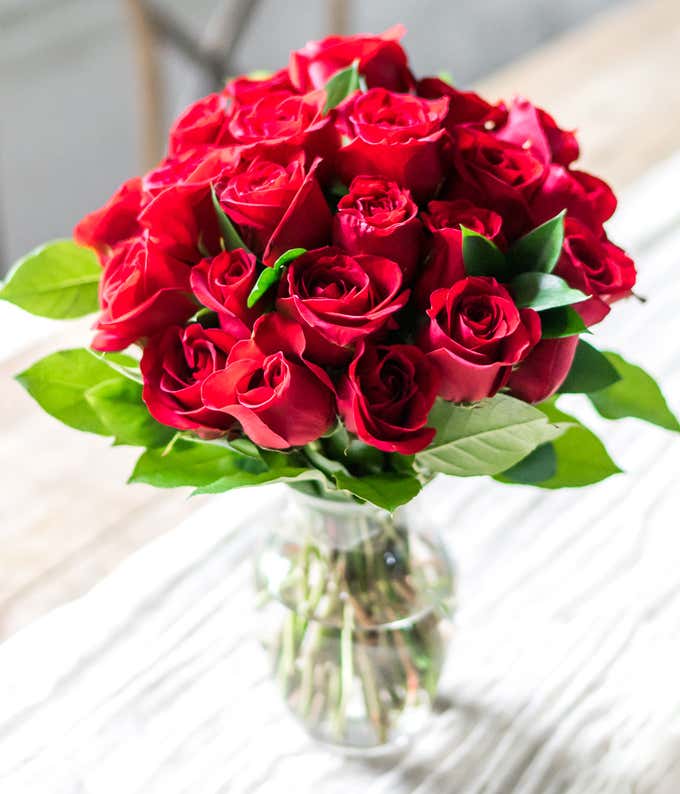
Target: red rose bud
544,370
223,283
396,136
200,125
382,61
465,107
387,395
339,299
279,399
116,221
582,195
380,218
143,289
174,365
595,266
475,337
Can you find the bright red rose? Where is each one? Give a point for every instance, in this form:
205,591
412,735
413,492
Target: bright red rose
530,127
172,171
174,365
380,218
200,125
582,195
445,265
475,336
142,290
280,399
395,136
387,395
544,370
382,61
116,221
222,284
339,299
247,90
465,107
595,266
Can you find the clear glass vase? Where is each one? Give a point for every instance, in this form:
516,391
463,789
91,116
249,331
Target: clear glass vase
356,611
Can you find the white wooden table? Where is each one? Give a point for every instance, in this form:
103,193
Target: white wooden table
564,676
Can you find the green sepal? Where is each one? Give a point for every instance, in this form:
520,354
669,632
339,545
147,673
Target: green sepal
271,276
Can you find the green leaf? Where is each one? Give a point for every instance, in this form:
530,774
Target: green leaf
119,406
59,382
561,322
125,365
590,371
271,276
57,280
386,490
341,85
232,239
485,438
541,291
540,249
539,465
482,257
636,394
446,77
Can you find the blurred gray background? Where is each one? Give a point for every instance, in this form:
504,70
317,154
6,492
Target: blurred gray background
72,125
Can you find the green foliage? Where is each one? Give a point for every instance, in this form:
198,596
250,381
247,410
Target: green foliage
388,490
486,438
232,239
590,371
540,249
540,291
561,322
58,280
271,276
482,257
539,465
341,85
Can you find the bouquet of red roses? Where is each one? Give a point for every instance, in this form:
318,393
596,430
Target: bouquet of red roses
345,276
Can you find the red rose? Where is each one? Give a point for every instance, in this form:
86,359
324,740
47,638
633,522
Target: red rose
382,61
582,195
475,337
595,266
378,217
339,299
531,127
223,283
445,265
277,204
142,290
544,370
387,395
116,221
395,136
200,125
174,365
465,107
247,90
280,399
172,171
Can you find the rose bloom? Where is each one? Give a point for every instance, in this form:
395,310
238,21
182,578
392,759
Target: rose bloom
116,221
382,61
475,336
280,399
544,370
396,136
174,365
386,397
465,107
584,196
200,125
338,299
247,90
378,217
142,290
222,284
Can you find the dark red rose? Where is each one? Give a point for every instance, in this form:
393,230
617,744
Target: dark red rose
280,399
142,290
200,125
277,204
444,265
247,90
386,397
380,218
582,195
222,283
595,266
475,336
382,61
174,365
544,370
116,221
396,136
465,107
339,299
532,128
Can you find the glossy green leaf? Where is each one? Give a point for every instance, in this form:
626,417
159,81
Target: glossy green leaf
590,371
542,291
59,280
636,395
232,239
341,85
540,249
482,257
539,465
387,490
271,276
561,322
